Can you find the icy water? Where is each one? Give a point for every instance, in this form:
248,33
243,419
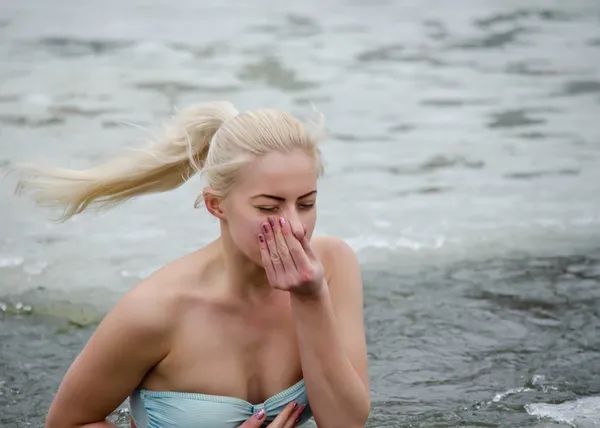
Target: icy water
463,167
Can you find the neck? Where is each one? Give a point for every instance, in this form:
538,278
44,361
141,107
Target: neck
244,278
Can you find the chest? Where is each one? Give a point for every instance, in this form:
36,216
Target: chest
248,354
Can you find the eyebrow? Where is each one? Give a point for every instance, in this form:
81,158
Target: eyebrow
279,198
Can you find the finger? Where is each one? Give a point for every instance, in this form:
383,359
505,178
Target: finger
294,417
296,251
273,254
298,230
266,259
282,247
286,415
307,248
256,420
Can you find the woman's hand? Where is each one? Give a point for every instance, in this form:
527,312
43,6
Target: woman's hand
288,418
288,258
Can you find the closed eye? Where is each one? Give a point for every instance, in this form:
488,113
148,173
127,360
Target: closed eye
267,209
306,206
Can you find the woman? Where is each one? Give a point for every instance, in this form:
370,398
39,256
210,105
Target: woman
264,321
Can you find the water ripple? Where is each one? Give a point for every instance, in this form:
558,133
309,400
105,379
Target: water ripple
272,72
30,121
73,47
581,87
540,174
521,14
499,39
516,118
294,25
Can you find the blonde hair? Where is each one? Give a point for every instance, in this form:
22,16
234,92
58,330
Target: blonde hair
212,138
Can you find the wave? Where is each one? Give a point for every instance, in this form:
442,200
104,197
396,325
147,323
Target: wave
583,412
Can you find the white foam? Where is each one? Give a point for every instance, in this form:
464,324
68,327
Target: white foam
141,274
10,261
363,242
41,100
513,391
35,268
584,412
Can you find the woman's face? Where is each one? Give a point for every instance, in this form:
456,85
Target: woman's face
277,184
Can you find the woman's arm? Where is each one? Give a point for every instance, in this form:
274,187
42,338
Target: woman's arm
130,340
330,331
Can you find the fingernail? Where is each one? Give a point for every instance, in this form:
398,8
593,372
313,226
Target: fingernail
266,228
295,405
260,414
261,238
272,220
300,414
282,221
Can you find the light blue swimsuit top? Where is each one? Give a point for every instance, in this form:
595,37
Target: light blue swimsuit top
169,409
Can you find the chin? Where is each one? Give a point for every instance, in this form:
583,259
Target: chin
255,257
258,262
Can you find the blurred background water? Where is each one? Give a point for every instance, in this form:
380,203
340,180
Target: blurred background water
463,167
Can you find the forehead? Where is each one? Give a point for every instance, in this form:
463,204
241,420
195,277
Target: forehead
280,174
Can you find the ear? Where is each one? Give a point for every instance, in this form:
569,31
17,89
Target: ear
213,203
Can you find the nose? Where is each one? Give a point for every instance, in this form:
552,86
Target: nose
293,219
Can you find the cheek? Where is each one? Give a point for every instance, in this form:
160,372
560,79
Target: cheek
245,231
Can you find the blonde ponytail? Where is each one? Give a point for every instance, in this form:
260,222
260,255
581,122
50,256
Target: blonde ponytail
164,165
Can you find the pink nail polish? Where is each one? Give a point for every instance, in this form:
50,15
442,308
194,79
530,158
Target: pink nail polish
261,238
266,228
282,221
272,220
300,414
260,414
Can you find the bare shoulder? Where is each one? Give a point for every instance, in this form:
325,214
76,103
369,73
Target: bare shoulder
144,314
336,255
332,248
147,306
132,338
148,312
162,295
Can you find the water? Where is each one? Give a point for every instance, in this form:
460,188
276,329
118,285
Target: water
463,167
